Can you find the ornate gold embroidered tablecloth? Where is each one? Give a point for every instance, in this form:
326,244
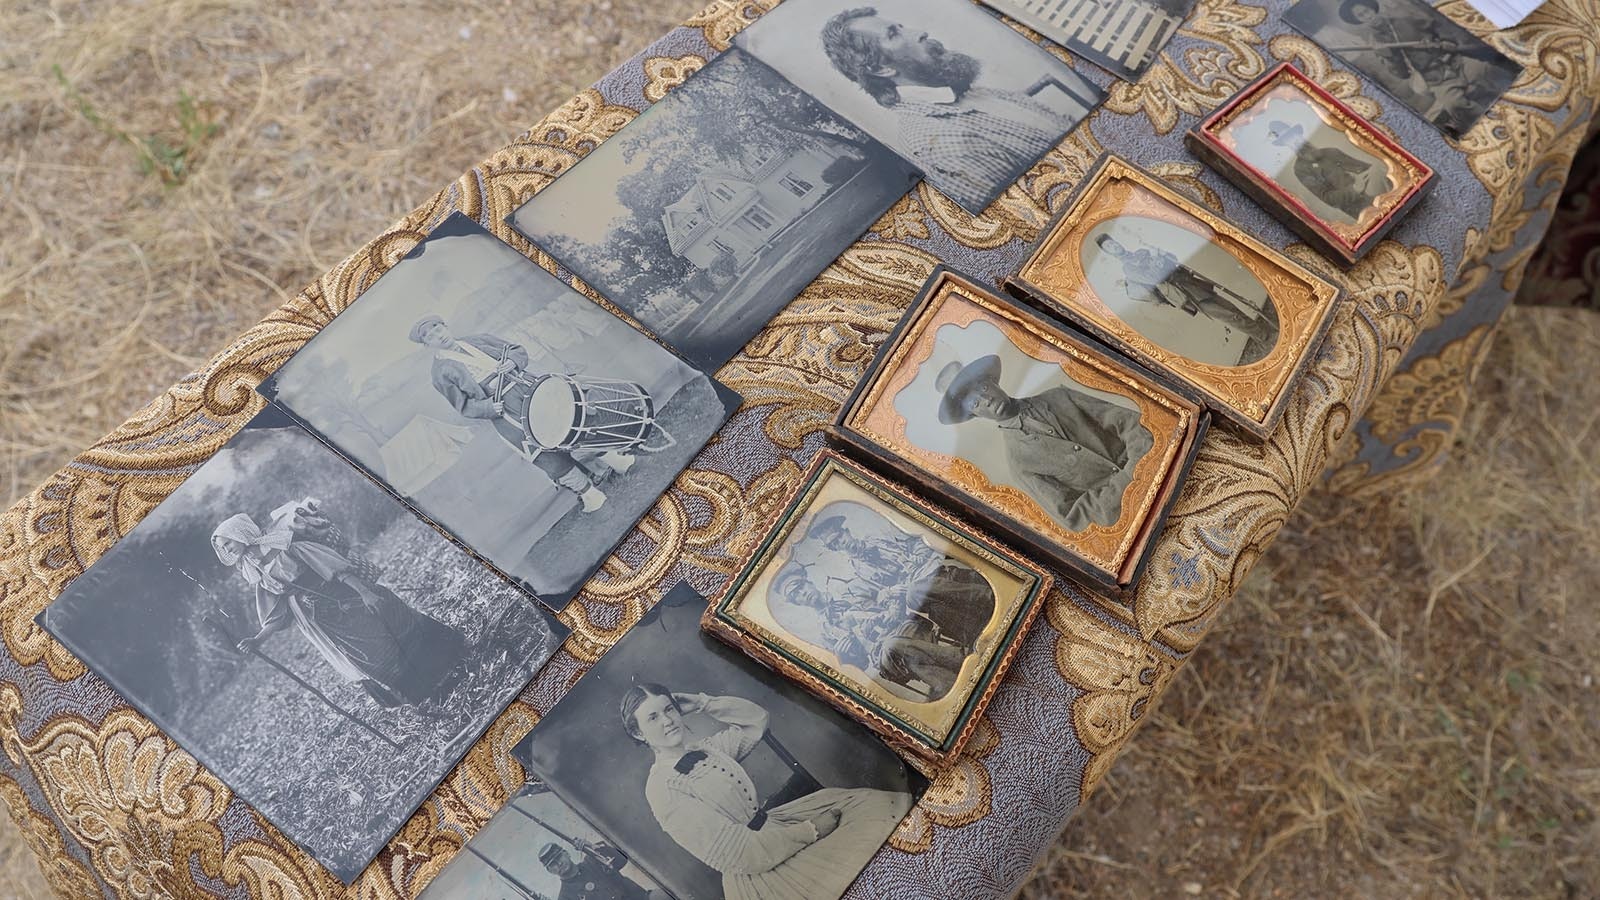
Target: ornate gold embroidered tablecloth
116,809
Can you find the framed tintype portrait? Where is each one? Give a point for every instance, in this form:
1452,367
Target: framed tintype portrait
1061,445
524,418
1312,162
306,637
899,614
1181,290
1429,62
718,779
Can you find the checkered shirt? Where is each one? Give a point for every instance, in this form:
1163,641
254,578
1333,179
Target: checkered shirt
977,146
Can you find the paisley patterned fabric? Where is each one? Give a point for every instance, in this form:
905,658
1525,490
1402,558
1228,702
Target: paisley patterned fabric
116,809
1566,270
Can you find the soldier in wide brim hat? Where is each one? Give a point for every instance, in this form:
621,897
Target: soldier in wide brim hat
1074,452
1283,134
958,381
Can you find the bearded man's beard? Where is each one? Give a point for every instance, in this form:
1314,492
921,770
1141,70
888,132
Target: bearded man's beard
957,71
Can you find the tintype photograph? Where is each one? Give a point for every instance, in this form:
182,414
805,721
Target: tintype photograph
539,848
709,212
1057,441
951,88
518,414
1121,36
897,613
1442,71
1182,290
1313,162
718,778
306,637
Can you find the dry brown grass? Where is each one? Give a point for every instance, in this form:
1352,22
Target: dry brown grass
1400,703
333,120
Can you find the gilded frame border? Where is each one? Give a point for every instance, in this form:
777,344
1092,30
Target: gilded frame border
928,748
1345,243
1111,556
1251,396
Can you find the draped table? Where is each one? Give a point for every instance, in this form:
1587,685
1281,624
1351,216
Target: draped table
114,808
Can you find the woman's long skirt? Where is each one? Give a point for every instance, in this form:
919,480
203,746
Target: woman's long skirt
826,868
403,650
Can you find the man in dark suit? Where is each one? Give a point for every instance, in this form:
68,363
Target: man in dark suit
1073,452
484,377
1344,182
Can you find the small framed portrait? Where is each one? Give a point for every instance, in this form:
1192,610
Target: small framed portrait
897,613
1311,161
714,778
1181,290
1062,446
1423,58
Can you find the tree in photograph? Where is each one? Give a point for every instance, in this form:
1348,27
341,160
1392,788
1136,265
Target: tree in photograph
731,116
759,111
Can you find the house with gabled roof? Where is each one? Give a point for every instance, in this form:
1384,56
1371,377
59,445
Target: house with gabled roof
732,215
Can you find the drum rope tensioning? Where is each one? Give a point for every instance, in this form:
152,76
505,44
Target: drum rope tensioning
571,413
566,412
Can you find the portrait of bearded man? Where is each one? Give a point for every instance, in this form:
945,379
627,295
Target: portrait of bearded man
971,136
949,88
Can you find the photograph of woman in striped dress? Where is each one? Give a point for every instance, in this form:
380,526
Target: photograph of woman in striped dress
702,796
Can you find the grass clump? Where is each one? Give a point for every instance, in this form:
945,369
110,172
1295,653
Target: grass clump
169,155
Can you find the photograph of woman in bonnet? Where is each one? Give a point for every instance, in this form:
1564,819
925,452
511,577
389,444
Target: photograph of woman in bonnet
329,660
702,796
306,577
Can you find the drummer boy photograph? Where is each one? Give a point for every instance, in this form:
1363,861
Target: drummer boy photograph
517,414
486,377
